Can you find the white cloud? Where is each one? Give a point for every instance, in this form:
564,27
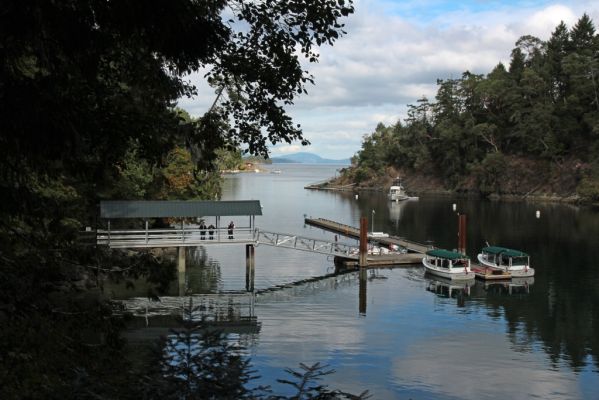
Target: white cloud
287,149
395,51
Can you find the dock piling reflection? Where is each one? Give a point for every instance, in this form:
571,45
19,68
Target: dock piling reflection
362,290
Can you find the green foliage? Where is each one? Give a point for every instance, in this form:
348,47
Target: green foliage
588,189
305,382
87,112
227,159
545,106
490,172
134,175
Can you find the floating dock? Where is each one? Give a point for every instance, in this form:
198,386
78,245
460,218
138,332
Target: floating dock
383,260
350,231
490,274
413,255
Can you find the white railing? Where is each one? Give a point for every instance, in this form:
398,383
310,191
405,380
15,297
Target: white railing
193,236
306,244
186,236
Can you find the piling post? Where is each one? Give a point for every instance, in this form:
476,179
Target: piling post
181,259
363,262
462,233
250,270
182,283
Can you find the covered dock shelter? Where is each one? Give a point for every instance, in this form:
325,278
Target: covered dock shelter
187,213
188,232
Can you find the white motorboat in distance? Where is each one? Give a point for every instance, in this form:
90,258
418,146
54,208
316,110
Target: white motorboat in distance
397,193
515,262
448,264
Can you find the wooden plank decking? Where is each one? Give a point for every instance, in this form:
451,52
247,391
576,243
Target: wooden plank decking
353,232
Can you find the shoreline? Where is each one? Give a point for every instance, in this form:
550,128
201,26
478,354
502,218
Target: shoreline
528,197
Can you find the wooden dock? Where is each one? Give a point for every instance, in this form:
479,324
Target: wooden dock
353,232
383,260
490,274
495,274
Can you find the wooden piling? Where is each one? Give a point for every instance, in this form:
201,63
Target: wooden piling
181,259
363,242
462,233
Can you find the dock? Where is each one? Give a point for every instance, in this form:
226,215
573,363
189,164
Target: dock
496,274
490,274
413,255
350,231
383,260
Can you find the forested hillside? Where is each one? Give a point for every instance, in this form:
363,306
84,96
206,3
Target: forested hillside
529,127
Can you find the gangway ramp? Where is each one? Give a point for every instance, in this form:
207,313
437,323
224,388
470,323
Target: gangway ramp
296,242
345,254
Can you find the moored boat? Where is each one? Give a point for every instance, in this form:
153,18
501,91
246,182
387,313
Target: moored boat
397,193
448,264
514,262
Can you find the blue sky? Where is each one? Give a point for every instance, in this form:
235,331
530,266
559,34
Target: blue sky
393,53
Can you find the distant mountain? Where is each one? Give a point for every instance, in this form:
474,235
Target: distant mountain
306,158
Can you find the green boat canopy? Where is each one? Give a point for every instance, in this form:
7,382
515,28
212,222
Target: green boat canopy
504,251
450,255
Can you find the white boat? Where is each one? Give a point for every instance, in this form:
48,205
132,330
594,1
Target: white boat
397,193
448,264
515,262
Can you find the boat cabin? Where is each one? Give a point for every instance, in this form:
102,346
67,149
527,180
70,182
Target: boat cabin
447,259
504,257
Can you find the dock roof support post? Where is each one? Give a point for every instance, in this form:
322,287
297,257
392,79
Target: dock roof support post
250,270
363,261
181,259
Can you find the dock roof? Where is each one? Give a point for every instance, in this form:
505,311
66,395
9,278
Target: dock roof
177,208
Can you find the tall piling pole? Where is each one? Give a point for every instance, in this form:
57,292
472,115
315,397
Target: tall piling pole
462,233
363,261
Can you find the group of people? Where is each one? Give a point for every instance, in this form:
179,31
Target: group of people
211,229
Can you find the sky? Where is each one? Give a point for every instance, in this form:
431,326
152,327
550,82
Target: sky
394,52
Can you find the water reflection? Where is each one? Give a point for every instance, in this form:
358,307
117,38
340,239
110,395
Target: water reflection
533,337
514,286
395,211
449,289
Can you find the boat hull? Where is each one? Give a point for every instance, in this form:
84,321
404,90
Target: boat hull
454,274
516,271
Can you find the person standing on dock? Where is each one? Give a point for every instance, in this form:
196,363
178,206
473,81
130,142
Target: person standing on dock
211,231
202,230
230,228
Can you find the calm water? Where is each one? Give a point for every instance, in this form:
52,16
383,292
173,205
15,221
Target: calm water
419,338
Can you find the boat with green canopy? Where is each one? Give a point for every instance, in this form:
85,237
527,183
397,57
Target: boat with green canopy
448,264
514,262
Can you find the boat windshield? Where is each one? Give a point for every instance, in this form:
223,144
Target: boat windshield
519,260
